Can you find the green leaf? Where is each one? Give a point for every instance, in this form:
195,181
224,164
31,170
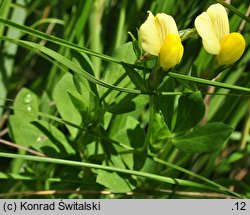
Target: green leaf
114,182
136,46
88,113
39,135
82,86
23,132
134,76
78,103
159,133
126,104
88,105
115,73
190,111
206,138
48,140
166,103
86,64
54,137
64,104
95,108
25,102
45,105
128,131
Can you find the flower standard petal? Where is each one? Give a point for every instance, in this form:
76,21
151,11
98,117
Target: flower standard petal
165,25
232,48
205,28
219,18
171,52
149,36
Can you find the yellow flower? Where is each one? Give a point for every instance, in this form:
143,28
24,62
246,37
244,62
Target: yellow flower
159,36
213,27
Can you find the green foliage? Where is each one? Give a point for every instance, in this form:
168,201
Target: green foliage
27,130
62,95
79,119
206,138
190,112
159,134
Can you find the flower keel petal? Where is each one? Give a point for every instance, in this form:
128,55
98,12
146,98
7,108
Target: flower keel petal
171,52
232,48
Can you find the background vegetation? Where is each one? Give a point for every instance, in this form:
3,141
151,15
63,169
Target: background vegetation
74,125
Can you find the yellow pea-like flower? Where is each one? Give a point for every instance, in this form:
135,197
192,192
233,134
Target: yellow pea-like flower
213,27
159,36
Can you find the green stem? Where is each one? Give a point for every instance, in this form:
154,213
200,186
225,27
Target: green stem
108,168
155,78
222,188
208,82
109,90
150,122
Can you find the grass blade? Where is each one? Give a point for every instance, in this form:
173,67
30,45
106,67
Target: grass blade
164,179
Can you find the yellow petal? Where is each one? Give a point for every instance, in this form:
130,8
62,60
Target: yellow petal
205,29
165,25
171,52
232,48
150,40
219,18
